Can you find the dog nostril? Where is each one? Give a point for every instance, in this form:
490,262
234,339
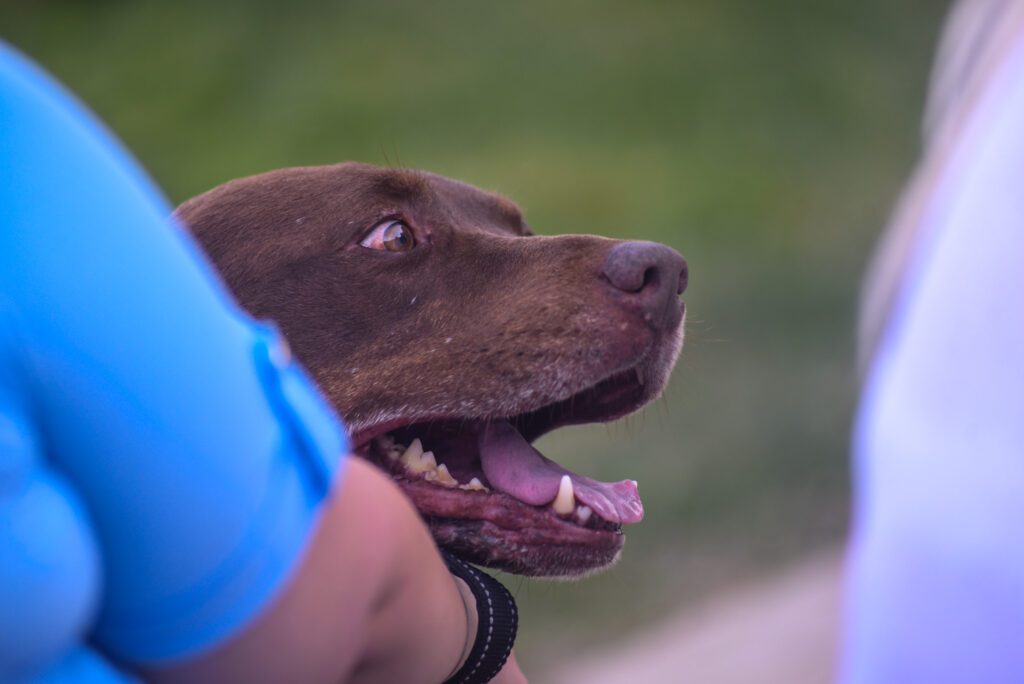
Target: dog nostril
684,278
650,278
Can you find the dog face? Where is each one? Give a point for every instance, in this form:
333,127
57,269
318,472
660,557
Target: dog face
435,321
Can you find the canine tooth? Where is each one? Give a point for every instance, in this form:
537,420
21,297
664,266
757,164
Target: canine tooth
444,477
474,485
639,375
583,514
565,502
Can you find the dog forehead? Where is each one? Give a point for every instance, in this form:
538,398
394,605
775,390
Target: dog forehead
468,205
438,199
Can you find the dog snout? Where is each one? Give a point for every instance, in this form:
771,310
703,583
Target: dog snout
651,274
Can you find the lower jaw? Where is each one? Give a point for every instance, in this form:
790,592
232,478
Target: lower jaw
513,537
525,552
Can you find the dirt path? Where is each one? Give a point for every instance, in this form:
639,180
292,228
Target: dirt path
783,629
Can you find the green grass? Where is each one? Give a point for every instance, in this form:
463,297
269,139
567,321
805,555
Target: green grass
766,141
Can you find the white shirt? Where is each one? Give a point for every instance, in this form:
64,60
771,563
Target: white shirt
935,589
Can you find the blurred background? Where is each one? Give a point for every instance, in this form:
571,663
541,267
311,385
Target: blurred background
765,141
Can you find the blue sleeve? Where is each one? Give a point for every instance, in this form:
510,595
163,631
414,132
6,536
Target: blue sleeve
178,454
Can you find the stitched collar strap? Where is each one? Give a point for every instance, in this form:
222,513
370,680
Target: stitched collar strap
497,623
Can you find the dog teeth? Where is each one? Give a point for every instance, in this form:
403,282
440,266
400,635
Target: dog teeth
415,450
444,477
428,461
387,444
565,502
440,476
474,485
583,514
420,462
424,464
416,461
639,375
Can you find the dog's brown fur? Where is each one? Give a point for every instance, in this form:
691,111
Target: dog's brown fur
482,320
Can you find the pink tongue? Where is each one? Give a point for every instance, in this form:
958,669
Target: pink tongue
516,468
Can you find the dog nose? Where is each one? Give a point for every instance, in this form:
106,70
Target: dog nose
650,273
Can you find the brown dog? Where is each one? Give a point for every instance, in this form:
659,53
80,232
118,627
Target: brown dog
435,321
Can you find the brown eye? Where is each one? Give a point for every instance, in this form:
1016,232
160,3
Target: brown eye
390,235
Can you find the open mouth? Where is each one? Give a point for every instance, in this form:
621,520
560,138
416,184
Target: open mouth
490,496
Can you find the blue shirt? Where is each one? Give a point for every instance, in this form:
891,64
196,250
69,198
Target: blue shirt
162,458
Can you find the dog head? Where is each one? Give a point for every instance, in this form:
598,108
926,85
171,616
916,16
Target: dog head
434,320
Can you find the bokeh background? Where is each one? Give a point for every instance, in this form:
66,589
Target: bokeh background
766,141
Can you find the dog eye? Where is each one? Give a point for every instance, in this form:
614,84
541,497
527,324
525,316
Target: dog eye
390,235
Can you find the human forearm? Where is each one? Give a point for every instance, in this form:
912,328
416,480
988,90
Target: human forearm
371,601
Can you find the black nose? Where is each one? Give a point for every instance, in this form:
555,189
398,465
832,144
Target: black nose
652,275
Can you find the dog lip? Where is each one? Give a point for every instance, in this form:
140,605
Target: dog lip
503,509
517,538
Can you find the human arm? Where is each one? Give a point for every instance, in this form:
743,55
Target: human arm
371,602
